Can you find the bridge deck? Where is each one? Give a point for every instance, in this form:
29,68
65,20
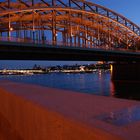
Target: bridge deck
31,51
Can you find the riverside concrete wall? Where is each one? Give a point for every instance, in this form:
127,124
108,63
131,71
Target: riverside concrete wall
29,112
24,120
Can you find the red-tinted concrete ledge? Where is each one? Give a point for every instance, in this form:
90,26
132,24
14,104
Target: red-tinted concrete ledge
30,112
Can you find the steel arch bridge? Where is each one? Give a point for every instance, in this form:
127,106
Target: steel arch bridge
75,23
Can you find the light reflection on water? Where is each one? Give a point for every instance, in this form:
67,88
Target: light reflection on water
98,83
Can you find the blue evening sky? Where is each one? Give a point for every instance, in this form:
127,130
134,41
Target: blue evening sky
127,8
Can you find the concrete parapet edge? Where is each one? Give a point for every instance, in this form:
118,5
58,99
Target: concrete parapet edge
22,119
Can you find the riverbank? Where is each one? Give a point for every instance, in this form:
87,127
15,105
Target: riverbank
35,113
32,71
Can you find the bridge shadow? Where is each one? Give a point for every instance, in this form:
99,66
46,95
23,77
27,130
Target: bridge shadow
126,89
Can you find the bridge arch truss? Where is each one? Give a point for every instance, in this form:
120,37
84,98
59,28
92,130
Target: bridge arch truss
67,22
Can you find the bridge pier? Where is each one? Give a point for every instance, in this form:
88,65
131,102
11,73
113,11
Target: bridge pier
126,71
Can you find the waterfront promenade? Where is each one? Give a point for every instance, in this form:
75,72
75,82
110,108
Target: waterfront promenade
30,112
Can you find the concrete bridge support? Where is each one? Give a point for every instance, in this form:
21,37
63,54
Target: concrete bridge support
126,71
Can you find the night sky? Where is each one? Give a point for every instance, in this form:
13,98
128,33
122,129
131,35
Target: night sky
128,8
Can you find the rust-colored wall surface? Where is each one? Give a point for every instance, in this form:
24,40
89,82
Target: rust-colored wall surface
21,119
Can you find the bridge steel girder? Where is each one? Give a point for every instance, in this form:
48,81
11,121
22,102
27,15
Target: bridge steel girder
68,22
30,51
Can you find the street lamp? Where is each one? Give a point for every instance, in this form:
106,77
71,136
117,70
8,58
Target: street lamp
11,29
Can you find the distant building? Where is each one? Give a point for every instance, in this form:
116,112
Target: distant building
102,62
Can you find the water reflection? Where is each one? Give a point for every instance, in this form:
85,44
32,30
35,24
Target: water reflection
98,83
112,89
92,83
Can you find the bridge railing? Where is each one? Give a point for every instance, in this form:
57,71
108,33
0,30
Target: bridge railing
62,44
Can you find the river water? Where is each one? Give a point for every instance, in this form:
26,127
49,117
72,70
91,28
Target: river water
97,83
